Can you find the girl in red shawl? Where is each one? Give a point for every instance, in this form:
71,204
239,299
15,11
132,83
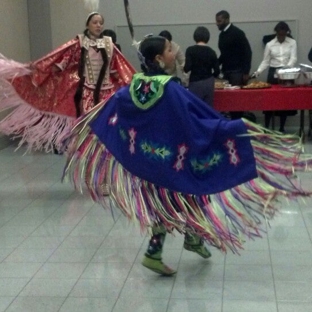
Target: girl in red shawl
61,86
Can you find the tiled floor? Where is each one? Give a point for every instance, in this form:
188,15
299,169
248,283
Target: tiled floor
61,252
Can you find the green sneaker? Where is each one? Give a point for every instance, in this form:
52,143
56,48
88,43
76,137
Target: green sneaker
157,266
196,244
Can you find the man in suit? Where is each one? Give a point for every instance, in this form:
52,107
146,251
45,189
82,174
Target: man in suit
235,57
235,53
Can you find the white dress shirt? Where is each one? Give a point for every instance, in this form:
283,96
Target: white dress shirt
278,54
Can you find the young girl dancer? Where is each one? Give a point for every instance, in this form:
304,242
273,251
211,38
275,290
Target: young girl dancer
61,86
173,163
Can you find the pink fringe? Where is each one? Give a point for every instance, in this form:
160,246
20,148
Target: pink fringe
10,69
39,130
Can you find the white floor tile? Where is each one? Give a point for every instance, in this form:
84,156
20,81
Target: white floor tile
82,242
36,304
137,304
197,289
5,252
249,291
154,287
10,241
88,305
292,273
18,270
59,251
72,255
49,242
61,270
292,306
285,258
50,229
246,272
98,288
5,302
198,305
134,242
115,255
14,230
11,287
118,270
29,255
248,306
249,258
200,270
293,291
52,287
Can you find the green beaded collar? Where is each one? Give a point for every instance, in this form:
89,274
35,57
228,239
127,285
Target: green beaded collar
147,90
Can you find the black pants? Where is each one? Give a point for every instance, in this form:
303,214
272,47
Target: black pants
282,113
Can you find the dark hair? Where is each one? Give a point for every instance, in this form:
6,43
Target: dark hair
81,68
166,34
91,15
110,33
224,14
149,48
201,33
282,26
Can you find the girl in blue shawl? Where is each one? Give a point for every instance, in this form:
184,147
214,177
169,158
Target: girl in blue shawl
170,162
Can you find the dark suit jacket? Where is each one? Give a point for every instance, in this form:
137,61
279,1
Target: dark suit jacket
235,51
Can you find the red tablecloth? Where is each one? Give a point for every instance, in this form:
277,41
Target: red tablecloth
274,98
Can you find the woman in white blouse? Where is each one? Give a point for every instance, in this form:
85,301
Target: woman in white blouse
279,52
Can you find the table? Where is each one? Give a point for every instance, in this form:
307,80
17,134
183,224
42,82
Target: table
274,98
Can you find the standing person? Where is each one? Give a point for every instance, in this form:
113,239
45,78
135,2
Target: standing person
235,53
63,85
177,68
279,52
203,64
171,162
97,69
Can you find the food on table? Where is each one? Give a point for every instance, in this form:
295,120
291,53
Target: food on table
257,85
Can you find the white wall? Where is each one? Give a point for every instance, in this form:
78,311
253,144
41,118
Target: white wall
68,19
14,34
159,12
40,37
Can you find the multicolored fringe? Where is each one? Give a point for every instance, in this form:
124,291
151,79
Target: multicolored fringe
38,129
224,220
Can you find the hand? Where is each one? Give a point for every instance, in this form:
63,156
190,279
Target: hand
255,75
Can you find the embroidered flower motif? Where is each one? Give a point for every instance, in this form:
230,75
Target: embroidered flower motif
132,134
155,151
146,88
113,120
232,151
179,164
204,165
